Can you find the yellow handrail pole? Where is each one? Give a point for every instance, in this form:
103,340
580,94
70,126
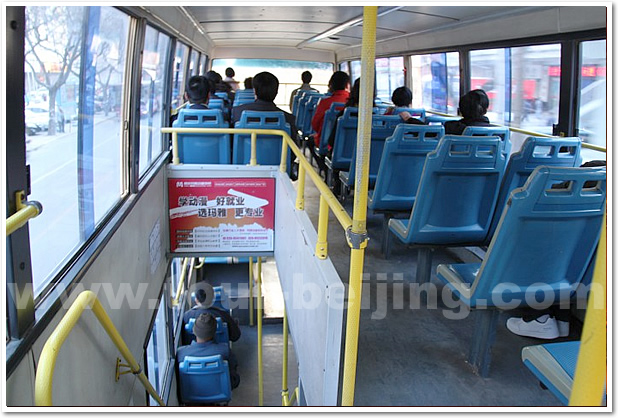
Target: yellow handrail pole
24,211
283,166
300,192
357,237
259,332
175,156
47,360
253,160
181,282
321,246
284,374
250,291
591,370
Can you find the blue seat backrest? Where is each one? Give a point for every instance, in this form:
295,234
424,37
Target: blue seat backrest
345,138
243,100
268,149
216,104
382,127
401,166
295,101
557,152
202,148
439,120
204,380
418,113
330,116
502,131
458,191
312,104
546,236
223,95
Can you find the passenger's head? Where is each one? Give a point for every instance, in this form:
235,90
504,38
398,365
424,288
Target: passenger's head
473,104
402,97
197,89
266,86
229,72
249,83
354,94
339,81
306,76
205,327
200,297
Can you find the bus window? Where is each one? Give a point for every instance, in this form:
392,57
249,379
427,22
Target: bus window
154,64
74,131
355,71
390,74
344,66
591,122
287,71
203,63
435,81
488,71
193,67
178,83
158,351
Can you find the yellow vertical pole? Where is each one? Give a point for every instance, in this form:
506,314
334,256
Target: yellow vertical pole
284,156
321,247
175,156
300,192
357,236
591,370
259,332
250,291
253,160
284,374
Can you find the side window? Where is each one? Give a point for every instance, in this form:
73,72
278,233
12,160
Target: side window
390,74
591,121
488,71
355,71
178,79
75,60
158,352
154,64
435,81
193,63
344,66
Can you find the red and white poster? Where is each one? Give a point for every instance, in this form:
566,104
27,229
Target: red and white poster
222,215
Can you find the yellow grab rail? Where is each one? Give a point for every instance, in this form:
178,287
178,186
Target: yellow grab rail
591,369
24,212
259,334
47,360
181,281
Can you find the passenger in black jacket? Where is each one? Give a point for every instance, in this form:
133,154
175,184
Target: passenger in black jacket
203,306
472,106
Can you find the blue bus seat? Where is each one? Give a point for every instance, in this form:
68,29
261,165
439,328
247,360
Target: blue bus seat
204,380
311,105
381,128
417,113
223,95
243,100
330,116
501,131
217,104
544,242
202,148
268,148
536,151
439,120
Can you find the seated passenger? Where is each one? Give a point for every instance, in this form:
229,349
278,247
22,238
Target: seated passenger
197,92
217,85
203,306
401,97
248,83
306,77
229,78
204,329
266,87
339,86
472,106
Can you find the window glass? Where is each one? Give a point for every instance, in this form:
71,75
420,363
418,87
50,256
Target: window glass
287,72
203,63
344,66
73,97
175,273
435,81
158,352
193,67
390,74
355,71
178,83
488,71
591,121
156,46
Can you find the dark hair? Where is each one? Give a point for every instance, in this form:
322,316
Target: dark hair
205,327
249,83
229,72
402,97
200,295
354,95
216,82
306,76
266,86
473,104
338,81
198,89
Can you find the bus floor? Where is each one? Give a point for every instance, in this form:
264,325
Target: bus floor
415,355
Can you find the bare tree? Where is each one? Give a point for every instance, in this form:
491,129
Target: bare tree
53,45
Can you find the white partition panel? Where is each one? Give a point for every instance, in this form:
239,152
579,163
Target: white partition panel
314,298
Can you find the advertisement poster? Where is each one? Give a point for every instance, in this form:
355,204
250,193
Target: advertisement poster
222,215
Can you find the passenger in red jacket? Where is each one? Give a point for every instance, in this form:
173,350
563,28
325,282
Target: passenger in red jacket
339,86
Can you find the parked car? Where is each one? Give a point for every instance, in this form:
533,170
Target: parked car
37,119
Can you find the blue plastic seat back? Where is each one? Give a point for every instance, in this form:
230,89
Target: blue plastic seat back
312,104
382,127
268,147
345,138
458,191
439,120
306,103
330,116
202,148
204,380
501,131
417,113
546,236
295,102
401,166
243,100
536,151
217,104
223,95
245,93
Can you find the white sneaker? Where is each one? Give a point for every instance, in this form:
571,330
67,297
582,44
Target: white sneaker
543,327
563,328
